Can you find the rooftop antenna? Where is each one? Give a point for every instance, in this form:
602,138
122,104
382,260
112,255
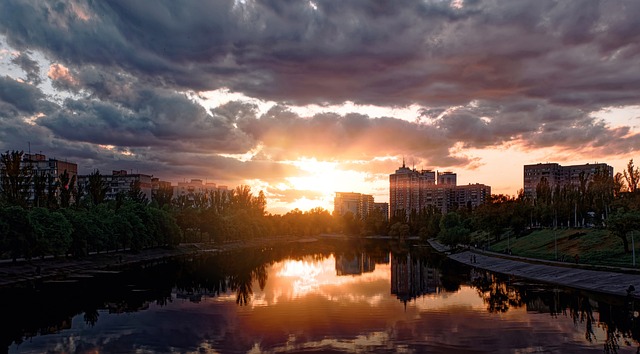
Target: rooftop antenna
403,162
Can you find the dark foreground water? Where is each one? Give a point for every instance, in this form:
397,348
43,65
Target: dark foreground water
321,297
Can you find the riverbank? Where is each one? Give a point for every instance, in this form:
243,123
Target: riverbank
610,280
25,273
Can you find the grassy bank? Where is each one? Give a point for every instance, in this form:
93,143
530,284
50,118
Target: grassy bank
592,246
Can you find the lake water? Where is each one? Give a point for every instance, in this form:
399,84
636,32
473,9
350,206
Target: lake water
320,297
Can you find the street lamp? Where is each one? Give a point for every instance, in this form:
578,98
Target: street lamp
633,247
555,241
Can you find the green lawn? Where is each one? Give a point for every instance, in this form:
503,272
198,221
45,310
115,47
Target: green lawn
592,246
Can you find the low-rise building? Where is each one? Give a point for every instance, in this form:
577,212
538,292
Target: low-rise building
557,175
120,182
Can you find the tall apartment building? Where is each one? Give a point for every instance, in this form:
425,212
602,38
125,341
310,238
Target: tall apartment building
356,203
413,190
558,175
405,186
119,182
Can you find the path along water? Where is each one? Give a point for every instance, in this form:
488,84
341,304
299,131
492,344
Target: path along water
623,282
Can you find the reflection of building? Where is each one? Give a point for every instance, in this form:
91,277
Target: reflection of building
354,264
558,175
414,190
412,277
356,203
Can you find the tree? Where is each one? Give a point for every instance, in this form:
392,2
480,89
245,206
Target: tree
399,230
52,192
453,231
135,193
621,222
16,231
16,178
632,176
39,187
67,187
97,188
163,196
618,184
51,232
375,223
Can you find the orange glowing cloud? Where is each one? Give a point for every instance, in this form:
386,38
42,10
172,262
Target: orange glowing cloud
61,74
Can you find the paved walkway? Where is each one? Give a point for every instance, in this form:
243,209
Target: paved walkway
608,282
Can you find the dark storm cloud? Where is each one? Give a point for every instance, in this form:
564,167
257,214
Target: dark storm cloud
147,117
18,97
487,73
372,52
29,66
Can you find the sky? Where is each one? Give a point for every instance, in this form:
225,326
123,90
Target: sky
301,99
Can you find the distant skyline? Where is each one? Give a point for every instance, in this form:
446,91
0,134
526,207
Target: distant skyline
303,99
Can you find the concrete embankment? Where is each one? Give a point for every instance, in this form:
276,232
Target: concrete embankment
608,282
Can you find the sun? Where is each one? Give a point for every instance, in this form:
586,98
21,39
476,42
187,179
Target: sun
325,177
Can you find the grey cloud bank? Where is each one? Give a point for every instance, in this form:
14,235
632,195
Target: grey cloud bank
486,72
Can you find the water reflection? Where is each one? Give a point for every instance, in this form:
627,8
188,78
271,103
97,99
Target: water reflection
617,318
336,297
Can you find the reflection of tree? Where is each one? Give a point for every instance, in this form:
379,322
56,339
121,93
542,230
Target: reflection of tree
581,311
620,324
618,320
497,295
91,317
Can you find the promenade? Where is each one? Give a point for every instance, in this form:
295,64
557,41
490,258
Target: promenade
600,281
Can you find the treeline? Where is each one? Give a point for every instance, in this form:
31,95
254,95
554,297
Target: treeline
599,201
42,215
51,215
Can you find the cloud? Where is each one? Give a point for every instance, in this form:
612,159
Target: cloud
147,117
29,66
125,81
426,52
18,97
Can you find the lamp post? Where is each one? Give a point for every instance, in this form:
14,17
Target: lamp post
555,242
633,247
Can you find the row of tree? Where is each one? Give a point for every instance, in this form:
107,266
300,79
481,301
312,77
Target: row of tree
82,221
43,215
597,201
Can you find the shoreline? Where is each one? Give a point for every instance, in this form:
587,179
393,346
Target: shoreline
26,272
598,279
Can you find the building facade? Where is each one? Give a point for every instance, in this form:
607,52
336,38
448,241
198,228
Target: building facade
558,175
120,182
195,187
48,171
414,190
356,203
